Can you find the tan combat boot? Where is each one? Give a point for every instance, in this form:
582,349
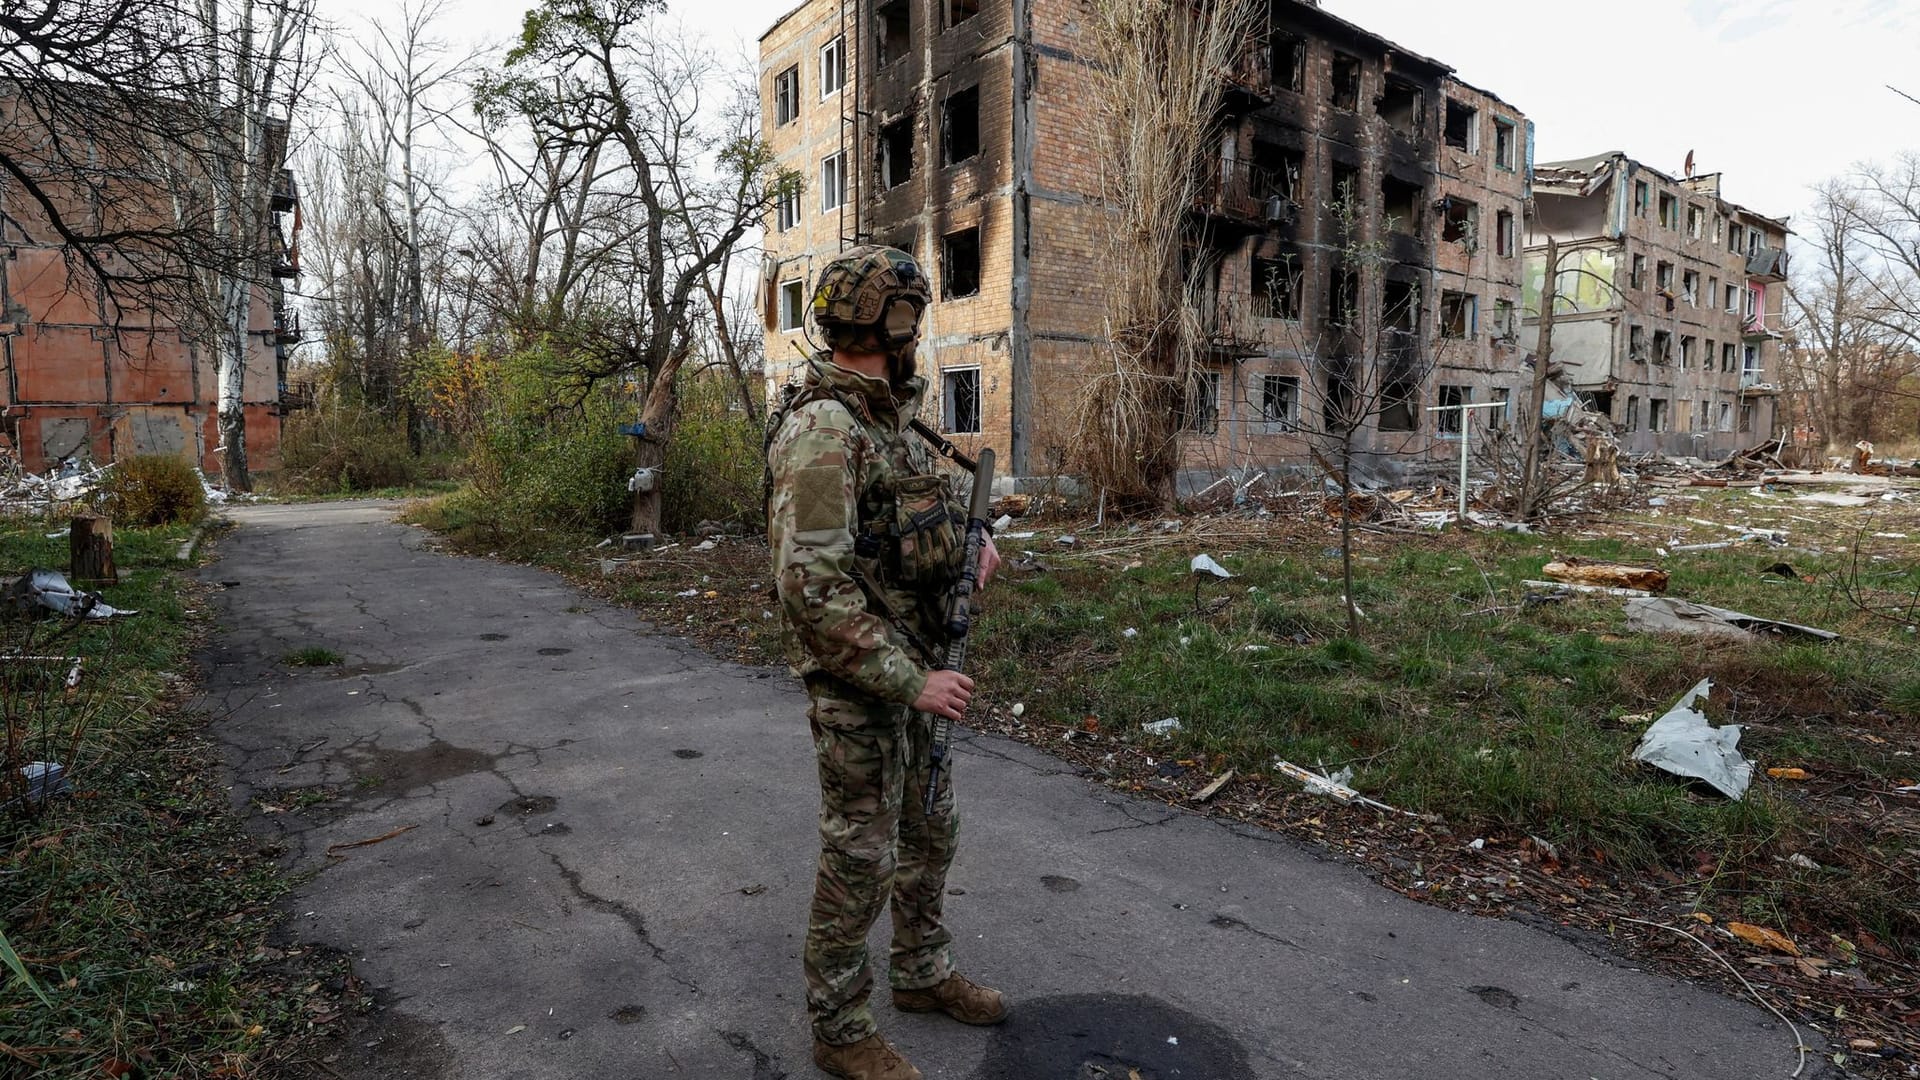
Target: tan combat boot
872,1058
967,1002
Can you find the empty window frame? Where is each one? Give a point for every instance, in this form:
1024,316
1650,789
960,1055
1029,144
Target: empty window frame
786,208
1746,418
1708,352
1733,300
1463,127
1280,402
1736,239
959,11
1345,90
960,264
1346,193
1690,287
1276,288
1401,106
1277,171
960,126
1500,418
1700,409
1289,62
1506,145
1343,296
1713,292
1663,276
833,67
1400,403
786,96
1688,347
1336,395
1637,343
1505,324
1506,234
833,181
1400,204
1657,414
1202,413
1663,346
1669,211
1637,279
1461,223
960,401
1459,313
1750,362
1696,221
1633,412
1451,419
896,153
1400,316
1641,196
1725,423
892,32
793,306
1729,355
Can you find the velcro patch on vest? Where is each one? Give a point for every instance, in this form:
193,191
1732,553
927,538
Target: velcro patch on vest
820,498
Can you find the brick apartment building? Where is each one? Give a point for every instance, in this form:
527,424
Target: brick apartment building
1670,301
89,379
956,129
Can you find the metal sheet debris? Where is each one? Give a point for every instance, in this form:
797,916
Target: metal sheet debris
1683,743
1667,615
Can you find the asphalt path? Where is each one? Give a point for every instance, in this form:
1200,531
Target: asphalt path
609,842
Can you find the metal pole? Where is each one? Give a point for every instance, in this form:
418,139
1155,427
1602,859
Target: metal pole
1466,435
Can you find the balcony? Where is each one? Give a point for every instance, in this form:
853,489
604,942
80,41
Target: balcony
286,327
1248,77
285,197
1767,264
286,257
295,396
1242,194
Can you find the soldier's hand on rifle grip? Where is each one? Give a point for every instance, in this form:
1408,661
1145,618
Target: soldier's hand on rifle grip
947,694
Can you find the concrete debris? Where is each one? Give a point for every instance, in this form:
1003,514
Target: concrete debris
31,492
1683,743
49,589
1667,615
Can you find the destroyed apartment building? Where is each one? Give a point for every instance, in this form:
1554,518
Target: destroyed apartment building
96,373
1668,303
957,130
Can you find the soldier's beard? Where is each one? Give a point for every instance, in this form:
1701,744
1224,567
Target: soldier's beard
903,364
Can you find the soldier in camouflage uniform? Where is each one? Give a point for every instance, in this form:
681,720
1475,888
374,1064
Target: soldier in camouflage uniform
866,540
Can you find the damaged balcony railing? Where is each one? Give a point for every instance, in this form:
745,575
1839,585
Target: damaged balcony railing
286,327
285,196
1244,193
1249,74
296,395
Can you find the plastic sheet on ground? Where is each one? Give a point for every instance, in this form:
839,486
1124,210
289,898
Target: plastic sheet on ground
49,589
1683,743
1667,615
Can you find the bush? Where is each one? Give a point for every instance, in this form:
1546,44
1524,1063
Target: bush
565,476
154,489
345,448
714,470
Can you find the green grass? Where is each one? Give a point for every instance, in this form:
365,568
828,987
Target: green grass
137,905
313,656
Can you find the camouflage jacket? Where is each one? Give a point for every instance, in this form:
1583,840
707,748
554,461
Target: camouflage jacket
834,465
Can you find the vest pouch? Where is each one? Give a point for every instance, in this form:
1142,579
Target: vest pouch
928,540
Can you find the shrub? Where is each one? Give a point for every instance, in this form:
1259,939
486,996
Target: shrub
714,469
565,476
154,489
343,448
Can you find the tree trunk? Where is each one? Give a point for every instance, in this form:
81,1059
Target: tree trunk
1346,534
650,449
90,551
1532,464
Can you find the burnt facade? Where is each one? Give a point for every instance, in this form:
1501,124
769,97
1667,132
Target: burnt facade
1354,213
1668,303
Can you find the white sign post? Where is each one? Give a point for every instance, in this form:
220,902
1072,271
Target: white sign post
1466,436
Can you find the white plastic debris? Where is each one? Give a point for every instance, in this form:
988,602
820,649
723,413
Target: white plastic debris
1019,709
1801,860
1130,632
49,589
1683,743
1067,541
1205,564
688,594
1004,521
704,545
1162,727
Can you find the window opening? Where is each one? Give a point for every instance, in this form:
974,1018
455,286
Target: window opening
1457,311
1280,402
1289,62
1461,224
786,96
1450,422
1203,403
896,153
960,126
1400,106
1400,203
792,304
960,401
1276,288
960,264
1346,81
833,66
893,28
1462,131
1505,139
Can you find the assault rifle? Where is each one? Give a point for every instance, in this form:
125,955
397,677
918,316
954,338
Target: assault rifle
960,609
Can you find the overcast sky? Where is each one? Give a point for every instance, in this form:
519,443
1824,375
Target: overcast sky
1776,94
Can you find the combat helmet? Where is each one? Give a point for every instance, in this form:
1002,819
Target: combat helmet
871,288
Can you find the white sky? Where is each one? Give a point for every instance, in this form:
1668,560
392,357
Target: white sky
1777,94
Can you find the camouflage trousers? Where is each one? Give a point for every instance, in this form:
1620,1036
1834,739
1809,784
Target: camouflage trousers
877,843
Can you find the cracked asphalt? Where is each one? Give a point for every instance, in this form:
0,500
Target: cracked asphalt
609,844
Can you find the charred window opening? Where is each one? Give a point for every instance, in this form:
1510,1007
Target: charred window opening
1401,105
1400,204
1280,402
904,242
1400,316
1505,139
1453,419
1461,224
1346,81
1289,62
892,32
1346,201
1336,396
1505,234
960,401
1277,176
1276,288
1458,314
1202,412
960,126
1463,133
1400,403
960,264
896,153
959,11
1343,297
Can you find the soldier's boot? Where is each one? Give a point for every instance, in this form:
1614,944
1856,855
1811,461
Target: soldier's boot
964,1000
872,1058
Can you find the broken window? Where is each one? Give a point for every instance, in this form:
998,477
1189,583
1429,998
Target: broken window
1696,221
1276,175
959,11
833,181
1641,195
896,153
1657,414
1276,288
1401,106
892,32
1280,402
1289,62
1713,290
833,66
1727,357
1458,312
1687,346
960,400
1638,277
1463,130
1461,224
1690,288
1669,211
786,207
1400,403
1506,138
1719,228
1343,296
1601,401
786,96
960,264
1451,420
1663,276
1202,413
960,126
1733,299
1637,343
1700,414
1633,412
1750,363
1746,418
1663,346
792,304
1346,81
1736,240
1346,192
1336,398
1400,203
1506,237
1499,418
1400,315
1726,417
1504,324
